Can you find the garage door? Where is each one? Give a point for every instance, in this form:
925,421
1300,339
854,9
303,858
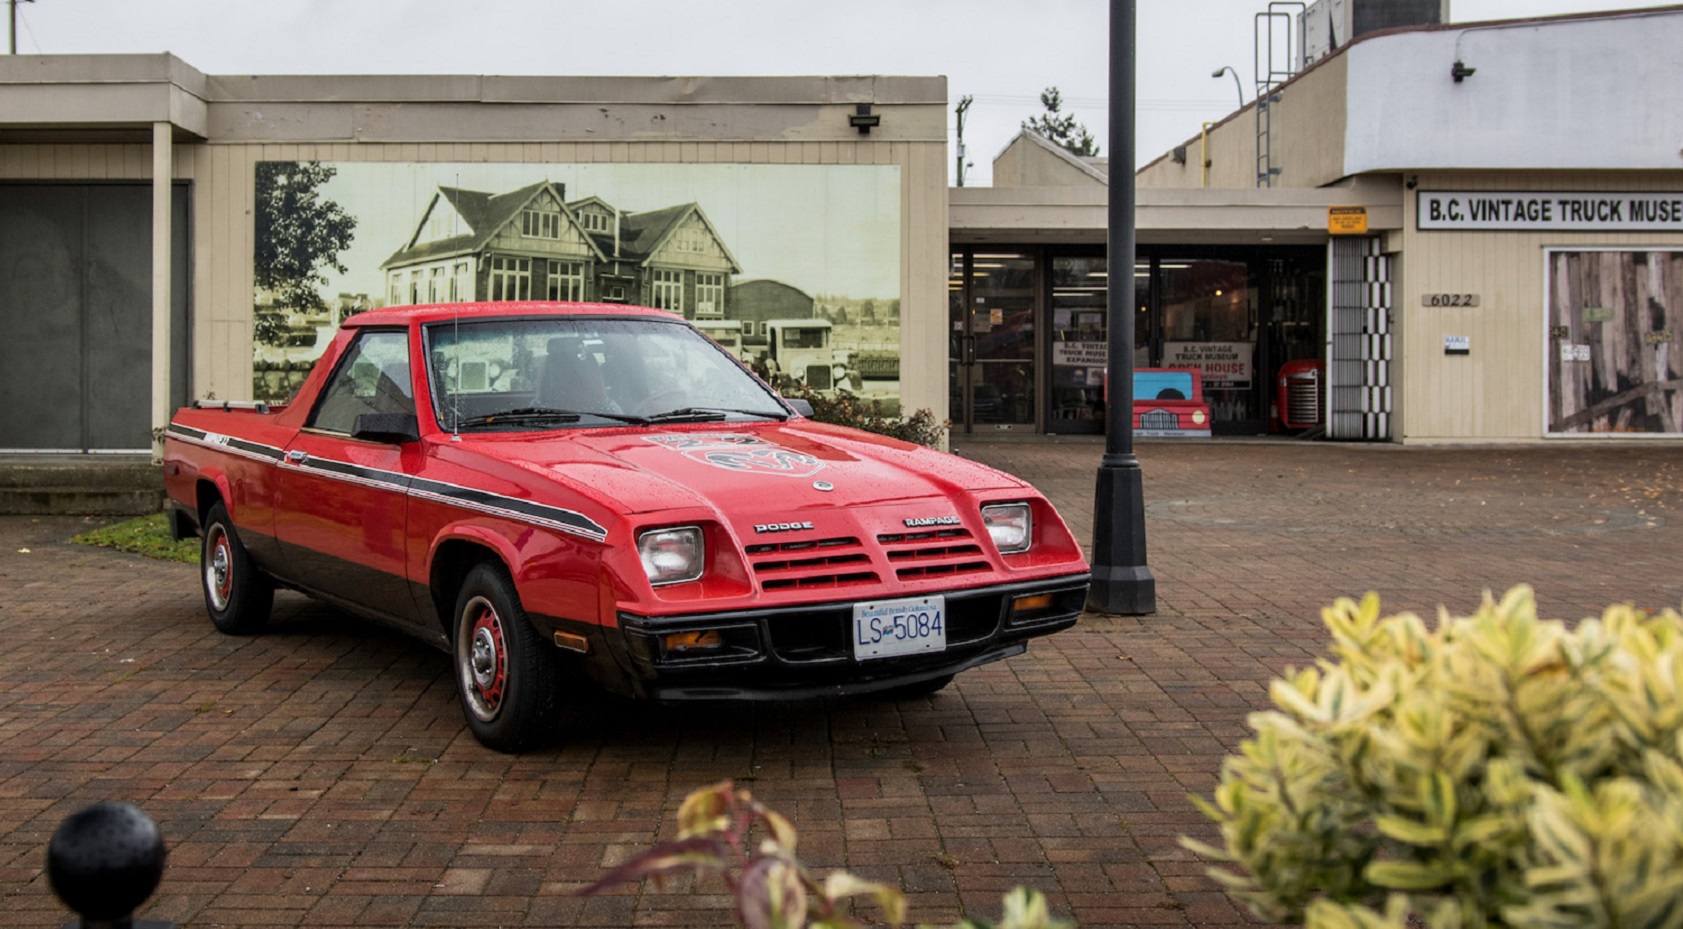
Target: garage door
76,313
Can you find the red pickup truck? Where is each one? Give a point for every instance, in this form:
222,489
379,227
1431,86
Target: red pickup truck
554,493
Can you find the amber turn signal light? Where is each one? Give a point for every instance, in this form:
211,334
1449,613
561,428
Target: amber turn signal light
687,641
1030,604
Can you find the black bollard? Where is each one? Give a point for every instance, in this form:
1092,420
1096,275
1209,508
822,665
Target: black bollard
103,862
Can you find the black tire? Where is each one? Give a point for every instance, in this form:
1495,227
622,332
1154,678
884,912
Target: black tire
506,677
238,596
919,689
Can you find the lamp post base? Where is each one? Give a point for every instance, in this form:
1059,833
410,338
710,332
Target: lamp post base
1122,583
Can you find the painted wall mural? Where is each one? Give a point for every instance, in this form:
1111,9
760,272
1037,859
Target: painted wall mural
1615,341
795,268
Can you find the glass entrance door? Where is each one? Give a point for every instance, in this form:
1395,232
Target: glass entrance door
992,302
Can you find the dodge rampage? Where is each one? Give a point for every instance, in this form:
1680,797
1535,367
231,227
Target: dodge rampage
554,493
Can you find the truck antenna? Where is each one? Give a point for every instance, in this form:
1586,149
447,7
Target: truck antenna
456,347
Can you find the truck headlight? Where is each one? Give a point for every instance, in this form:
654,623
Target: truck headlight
672,556
1010,525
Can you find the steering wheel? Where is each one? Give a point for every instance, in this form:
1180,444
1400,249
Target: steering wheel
664,399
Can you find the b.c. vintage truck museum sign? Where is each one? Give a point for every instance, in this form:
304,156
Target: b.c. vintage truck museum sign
1598,211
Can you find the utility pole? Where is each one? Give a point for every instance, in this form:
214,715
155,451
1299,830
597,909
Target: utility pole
963,104
13,4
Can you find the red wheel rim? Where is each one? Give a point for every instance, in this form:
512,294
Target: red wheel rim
487,658
219,571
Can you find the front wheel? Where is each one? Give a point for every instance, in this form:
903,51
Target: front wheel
505,677
237,595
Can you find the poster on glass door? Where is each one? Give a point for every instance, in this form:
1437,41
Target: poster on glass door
1225,365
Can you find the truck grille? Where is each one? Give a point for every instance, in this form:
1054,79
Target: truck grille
1159,419
933,553
820,563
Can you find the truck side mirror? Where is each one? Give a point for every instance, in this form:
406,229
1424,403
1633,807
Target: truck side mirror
389,428
800,405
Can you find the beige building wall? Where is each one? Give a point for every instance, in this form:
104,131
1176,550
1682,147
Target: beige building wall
233,122
1496,393
1029,160
1307,138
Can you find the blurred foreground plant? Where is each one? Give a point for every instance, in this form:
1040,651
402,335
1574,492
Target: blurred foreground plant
1497,770
769,885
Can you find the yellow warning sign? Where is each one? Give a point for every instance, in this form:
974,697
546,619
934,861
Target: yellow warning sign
1347,220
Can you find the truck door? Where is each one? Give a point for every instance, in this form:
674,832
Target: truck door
342,503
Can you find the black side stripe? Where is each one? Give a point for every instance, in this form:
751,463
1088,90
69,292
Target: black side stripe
373,477
552,517
524,510
243,447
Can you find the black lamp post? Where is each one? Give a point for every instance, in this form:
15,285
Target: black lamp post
1122,583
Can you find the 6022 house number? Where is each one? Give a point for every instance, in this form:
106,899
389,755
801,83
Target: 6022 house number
1449,299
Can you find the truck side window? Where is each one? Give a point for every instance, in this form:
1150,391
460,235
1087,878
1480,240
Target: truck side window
373,377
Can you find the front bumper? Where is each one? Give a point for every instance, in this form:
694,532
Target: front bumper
805,652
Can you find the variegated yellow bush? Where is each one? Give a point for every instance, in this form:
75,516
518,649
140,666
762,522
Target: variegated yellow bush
1497,770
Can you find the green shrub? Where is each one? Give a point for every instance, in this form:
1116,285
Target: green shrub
844,408
769,886
1497,770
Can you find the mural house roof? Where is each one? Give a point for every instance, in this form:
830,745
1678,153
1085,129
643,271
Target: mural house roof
578,205
482,213
640,234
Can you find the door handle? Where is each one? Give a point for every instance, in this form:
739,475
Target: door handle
969,350
296,457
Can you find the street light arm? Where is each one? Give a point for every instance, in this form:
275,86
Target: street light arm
1228,69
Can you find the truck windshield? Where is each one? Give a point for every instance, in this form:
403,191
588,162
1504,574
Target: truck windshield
805,338
608,371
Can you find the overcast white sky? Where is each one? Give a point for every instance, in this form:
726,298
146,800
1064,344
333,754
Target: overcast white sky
1002,52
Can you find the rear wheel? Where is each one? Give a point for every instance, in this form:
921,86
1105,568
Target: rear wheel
507,680
237,595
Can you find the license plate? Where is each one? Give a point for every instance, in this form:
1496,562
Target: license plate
886,628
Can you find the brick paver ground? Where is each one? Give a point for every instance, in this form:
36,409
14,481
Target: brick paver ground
320,774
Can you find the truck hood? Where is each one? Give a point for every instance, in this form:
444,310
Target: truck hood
743,467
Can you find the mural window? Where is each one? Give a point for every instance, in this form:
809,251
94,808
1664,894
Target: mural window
394,295
511,278
415,286
461,286
539,224
593,221
436,287
692,239
666,290
566,280
709,295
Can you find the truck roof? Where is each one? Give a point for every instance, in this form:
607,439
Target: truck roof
440,312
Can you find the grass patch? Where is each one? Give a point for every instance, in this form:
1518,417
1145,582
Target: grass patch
144,535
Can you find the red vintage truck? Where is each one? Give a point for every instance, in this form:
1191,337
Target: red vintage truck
559,493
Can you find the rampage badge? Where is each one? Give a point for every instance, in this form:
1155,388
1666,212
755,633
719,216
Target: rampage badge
737,452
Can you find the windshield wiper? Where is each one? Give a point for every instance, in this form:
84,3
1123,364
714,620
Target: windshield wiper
707,414
522,415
